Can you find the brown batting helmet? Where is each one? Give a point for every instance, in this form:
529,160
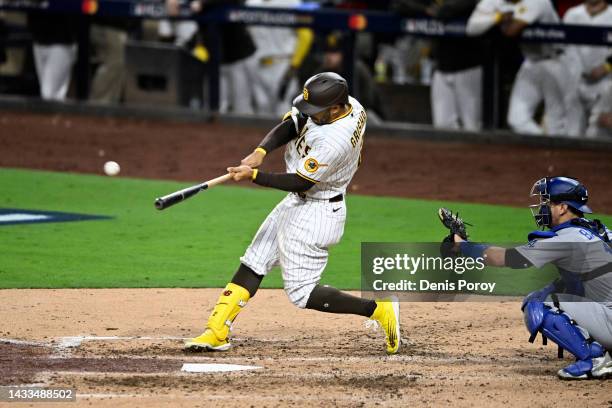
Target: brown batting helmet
320,92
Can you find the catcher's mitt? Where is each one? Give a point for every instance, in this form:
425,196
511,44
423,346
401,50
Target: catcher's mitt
456,226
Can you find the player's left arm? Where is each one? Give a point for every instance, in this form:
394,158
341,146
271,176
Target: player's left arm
485,16
492,255
600,72
281,181
522,17
279,136
316,166
513,27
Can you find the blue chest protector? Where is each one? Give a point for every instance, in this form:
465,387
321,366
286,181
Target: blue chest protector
595,227
571,282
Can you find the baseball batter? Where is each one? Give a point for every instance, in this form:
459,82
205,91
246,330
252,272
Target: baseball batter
542,76
323,135
575,311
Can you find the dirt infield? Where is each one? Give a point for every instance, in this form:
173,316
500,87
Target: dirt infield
499,174
131,355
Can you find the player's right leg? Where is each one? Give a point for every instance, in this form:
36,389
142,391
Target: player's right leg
594,320
592,360
59,71
444,110
468,93
259,258
559,108
385,312
524,99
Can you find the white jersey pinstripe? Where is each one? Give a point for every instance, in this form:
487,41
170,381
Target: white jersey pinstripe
299,231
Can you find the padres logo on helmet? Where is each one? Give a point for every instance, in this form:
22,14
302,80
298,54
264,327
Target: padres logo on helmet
320,92
311,165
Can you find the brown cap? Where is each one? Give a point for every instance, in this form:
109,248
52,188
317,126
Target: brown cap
320,92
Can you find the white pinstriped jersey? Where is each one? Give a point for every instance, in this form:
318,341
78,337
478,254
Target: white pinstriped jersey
328,155
298,233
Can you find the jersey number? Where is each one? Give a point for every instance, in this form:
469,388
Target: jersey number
300,144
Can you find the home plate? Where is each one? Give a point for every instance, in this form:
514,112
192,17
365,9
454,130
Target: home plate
215,368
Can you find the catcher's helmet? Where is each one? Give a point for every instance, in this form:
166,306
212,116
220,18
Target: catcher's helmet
320,92
564,190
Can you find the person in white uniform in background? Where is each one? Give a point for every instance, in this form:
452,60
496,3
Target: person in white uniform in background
280,52
456,89
542,76
54,38
237,47
322,154
589,64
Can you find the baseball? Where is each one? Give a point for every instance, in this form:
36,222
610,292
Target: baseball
111,168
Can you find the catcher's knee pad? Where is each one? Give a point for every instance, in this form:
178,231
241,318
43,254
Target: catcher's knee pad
299,293
557,326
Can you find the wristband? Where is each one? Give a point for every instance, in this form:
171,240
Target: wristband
261,150
498,17
608,67
254,175
472,250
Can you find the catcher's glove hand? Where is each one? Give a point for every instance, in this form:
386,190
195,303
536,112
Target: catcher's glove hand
456,226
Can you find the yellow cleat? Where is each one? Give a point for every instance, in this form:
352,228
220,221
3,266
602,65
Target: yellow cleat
207,341
387,315
215,337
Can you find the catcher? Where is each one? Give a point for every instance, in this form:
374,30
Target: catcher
574,311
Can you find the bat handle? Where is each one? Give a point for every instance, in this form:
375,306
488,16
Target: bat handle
218,180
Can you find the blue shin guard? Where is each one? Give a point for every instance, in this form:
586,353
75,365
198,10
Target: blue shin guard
557,326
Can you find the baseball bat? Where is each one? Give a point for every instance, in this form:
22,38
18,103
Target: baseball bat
169,200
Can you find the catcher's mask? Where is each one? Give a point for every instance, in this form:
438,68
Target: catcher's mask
564,190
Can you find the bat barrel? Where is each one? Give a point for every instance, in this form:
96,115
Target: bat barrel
164,202
159,203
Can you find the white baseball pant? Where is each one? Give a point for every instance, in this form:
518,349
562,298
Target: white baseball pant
54,69
542,80
296,235
456,99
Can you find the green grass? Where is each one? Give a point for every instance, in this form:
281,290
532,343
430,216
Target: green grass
197,243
